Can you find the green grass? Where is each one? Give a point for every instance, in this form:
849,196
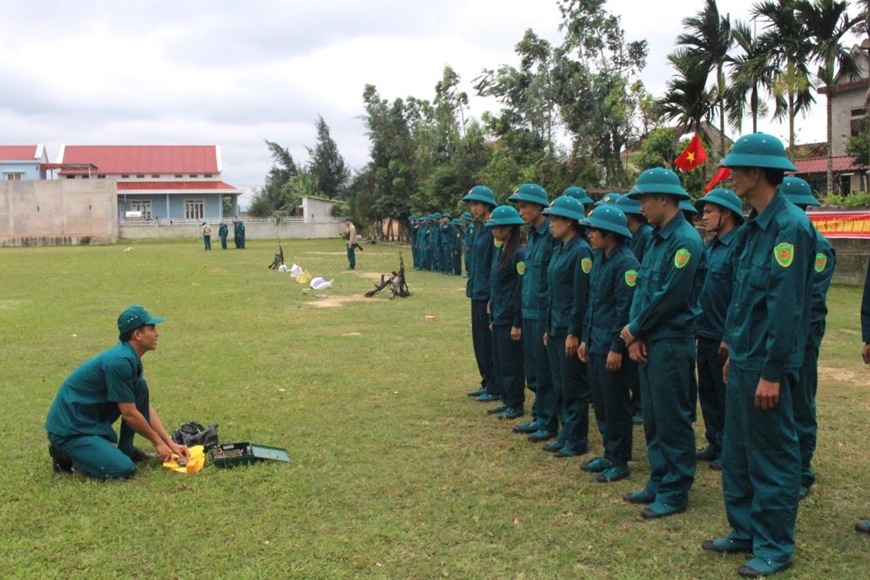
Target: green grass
394,472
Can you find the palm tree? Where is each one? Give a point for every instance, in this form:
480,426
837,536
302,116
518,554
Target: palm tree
687,99
750,76
709,40
827,22
787,48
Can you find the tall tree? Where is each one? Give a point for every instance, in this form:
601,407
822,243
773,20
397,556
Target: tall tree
326,166
750,78
274,195
786,44
708,41
687,99
827,22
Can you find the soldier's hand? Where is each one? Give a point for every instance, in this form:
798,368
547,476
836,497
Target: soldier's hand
571,344
637,351
614,362
581,353
766,395
865,353
516,333
725,366
723,352
546,340
164,453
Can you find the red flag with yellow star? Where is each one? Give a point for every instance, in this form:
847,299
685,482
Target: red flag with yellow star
693,156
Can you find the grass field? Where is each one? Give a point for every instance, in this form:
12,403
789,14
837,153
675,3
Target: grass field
394,472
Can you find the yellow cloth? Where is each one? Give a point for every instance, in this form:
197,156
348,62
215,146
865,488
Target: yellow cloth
194,464
304,277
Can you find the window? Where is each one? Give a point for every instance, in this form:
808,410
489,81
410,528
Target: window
859,112
178,175
207,175
143,206
155,176
140,177
101,176
124,176
14,176
194,175
855,127
194,209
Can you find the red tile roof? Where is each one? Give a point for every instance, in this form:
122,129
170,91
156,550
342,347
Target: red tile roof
820,165
145,159
173,185
18,152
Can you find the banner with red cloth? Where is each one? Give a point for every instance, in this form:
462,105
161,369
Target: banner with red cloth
842,224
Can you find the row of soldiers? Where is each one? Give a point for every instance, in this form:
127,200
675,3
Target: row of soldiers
596,302
438,242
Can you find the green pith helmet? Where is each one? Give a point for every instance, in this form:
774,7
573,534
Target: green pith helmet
531,193
608,199
628,205
567,207
466,215
504,215
686,206
579,194
455,222
798,191
446,215
724,198
658,180
436,215
758,150
412,219
481,193
609,218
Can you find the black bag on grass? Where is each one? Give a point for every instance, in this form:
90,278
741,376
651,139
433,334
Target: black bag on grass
193,433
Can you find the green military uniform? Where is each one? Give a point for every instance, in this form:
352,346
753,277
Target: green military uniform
456,247
240,228
79,423
535,298
799,193
435,243
663,313
717,272
446,231
766,331
478,289
423,242
467,239
505,313
611,288
412,234
568,285
222,233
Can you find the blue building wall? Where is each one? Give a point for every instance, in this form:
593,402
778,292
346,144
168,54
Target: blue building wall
30,169
172,206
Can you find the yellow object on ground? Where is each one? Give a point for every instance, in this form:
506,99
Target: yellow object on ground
194,464
304,277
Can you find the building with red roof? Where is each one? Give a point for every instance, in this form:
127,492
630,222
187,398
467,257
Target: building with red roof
22,162
176,182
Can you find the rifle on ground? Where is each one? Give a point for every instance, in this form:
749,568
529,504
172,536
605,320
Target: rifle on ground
279,258
396,281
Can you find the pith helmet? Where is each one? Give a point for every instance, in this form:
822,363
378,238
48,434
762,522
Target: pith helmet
798,191
505,215
658,180
628,205
466,215
758,150
686,206
724,198
579,194
567,207
608,218
608,199
481,193
531,193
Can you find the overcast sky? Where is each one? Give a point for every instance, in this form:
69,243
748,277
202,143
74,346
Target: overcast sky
235,73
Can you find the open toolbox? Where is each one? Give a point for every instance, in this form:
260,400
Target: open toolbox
244,453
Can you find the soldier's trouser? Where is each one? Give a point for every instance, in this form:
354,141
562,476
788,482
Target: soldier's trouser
667,419
533,349
206,239
481,338
351,257
711,390
223,242
804,407
507,359
457,264
761,465
434,259
611,401
467,261
571,384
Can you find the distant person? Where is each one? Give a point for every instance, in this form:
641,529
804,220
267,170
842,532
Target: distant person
241,230
222,234
206,236
351,243
94,396
236,232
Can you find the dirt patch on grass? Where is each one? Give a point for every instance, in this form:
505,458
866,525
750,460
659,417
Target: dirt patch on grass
327,253
324,301
839,375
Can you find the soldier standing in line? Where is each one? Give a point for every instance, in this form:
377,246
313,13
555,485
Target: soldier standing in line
222,233
206,236
456,248
468,236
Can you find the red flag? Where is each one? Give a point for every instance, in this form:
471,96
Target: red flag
722,174
693,156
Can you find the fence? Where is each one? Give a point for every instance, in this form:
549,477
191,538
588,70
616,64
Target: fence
255,228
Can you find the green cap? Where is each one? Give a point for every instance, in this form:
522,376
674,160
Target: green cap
798,191
481,193
658,180
436,215
758,150
446,215
579,194
531,193
568,207
466,215
608,218
724,198
504,215
629,205
134,317
608,199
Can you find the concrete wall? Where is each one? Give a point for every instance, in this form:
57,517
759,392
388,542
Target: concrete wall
60,212
265,230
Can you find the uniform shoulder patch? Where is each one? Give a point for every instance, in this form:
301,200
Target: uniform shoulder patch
784,254
631,278
682,257
586,265
821,262
521,268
